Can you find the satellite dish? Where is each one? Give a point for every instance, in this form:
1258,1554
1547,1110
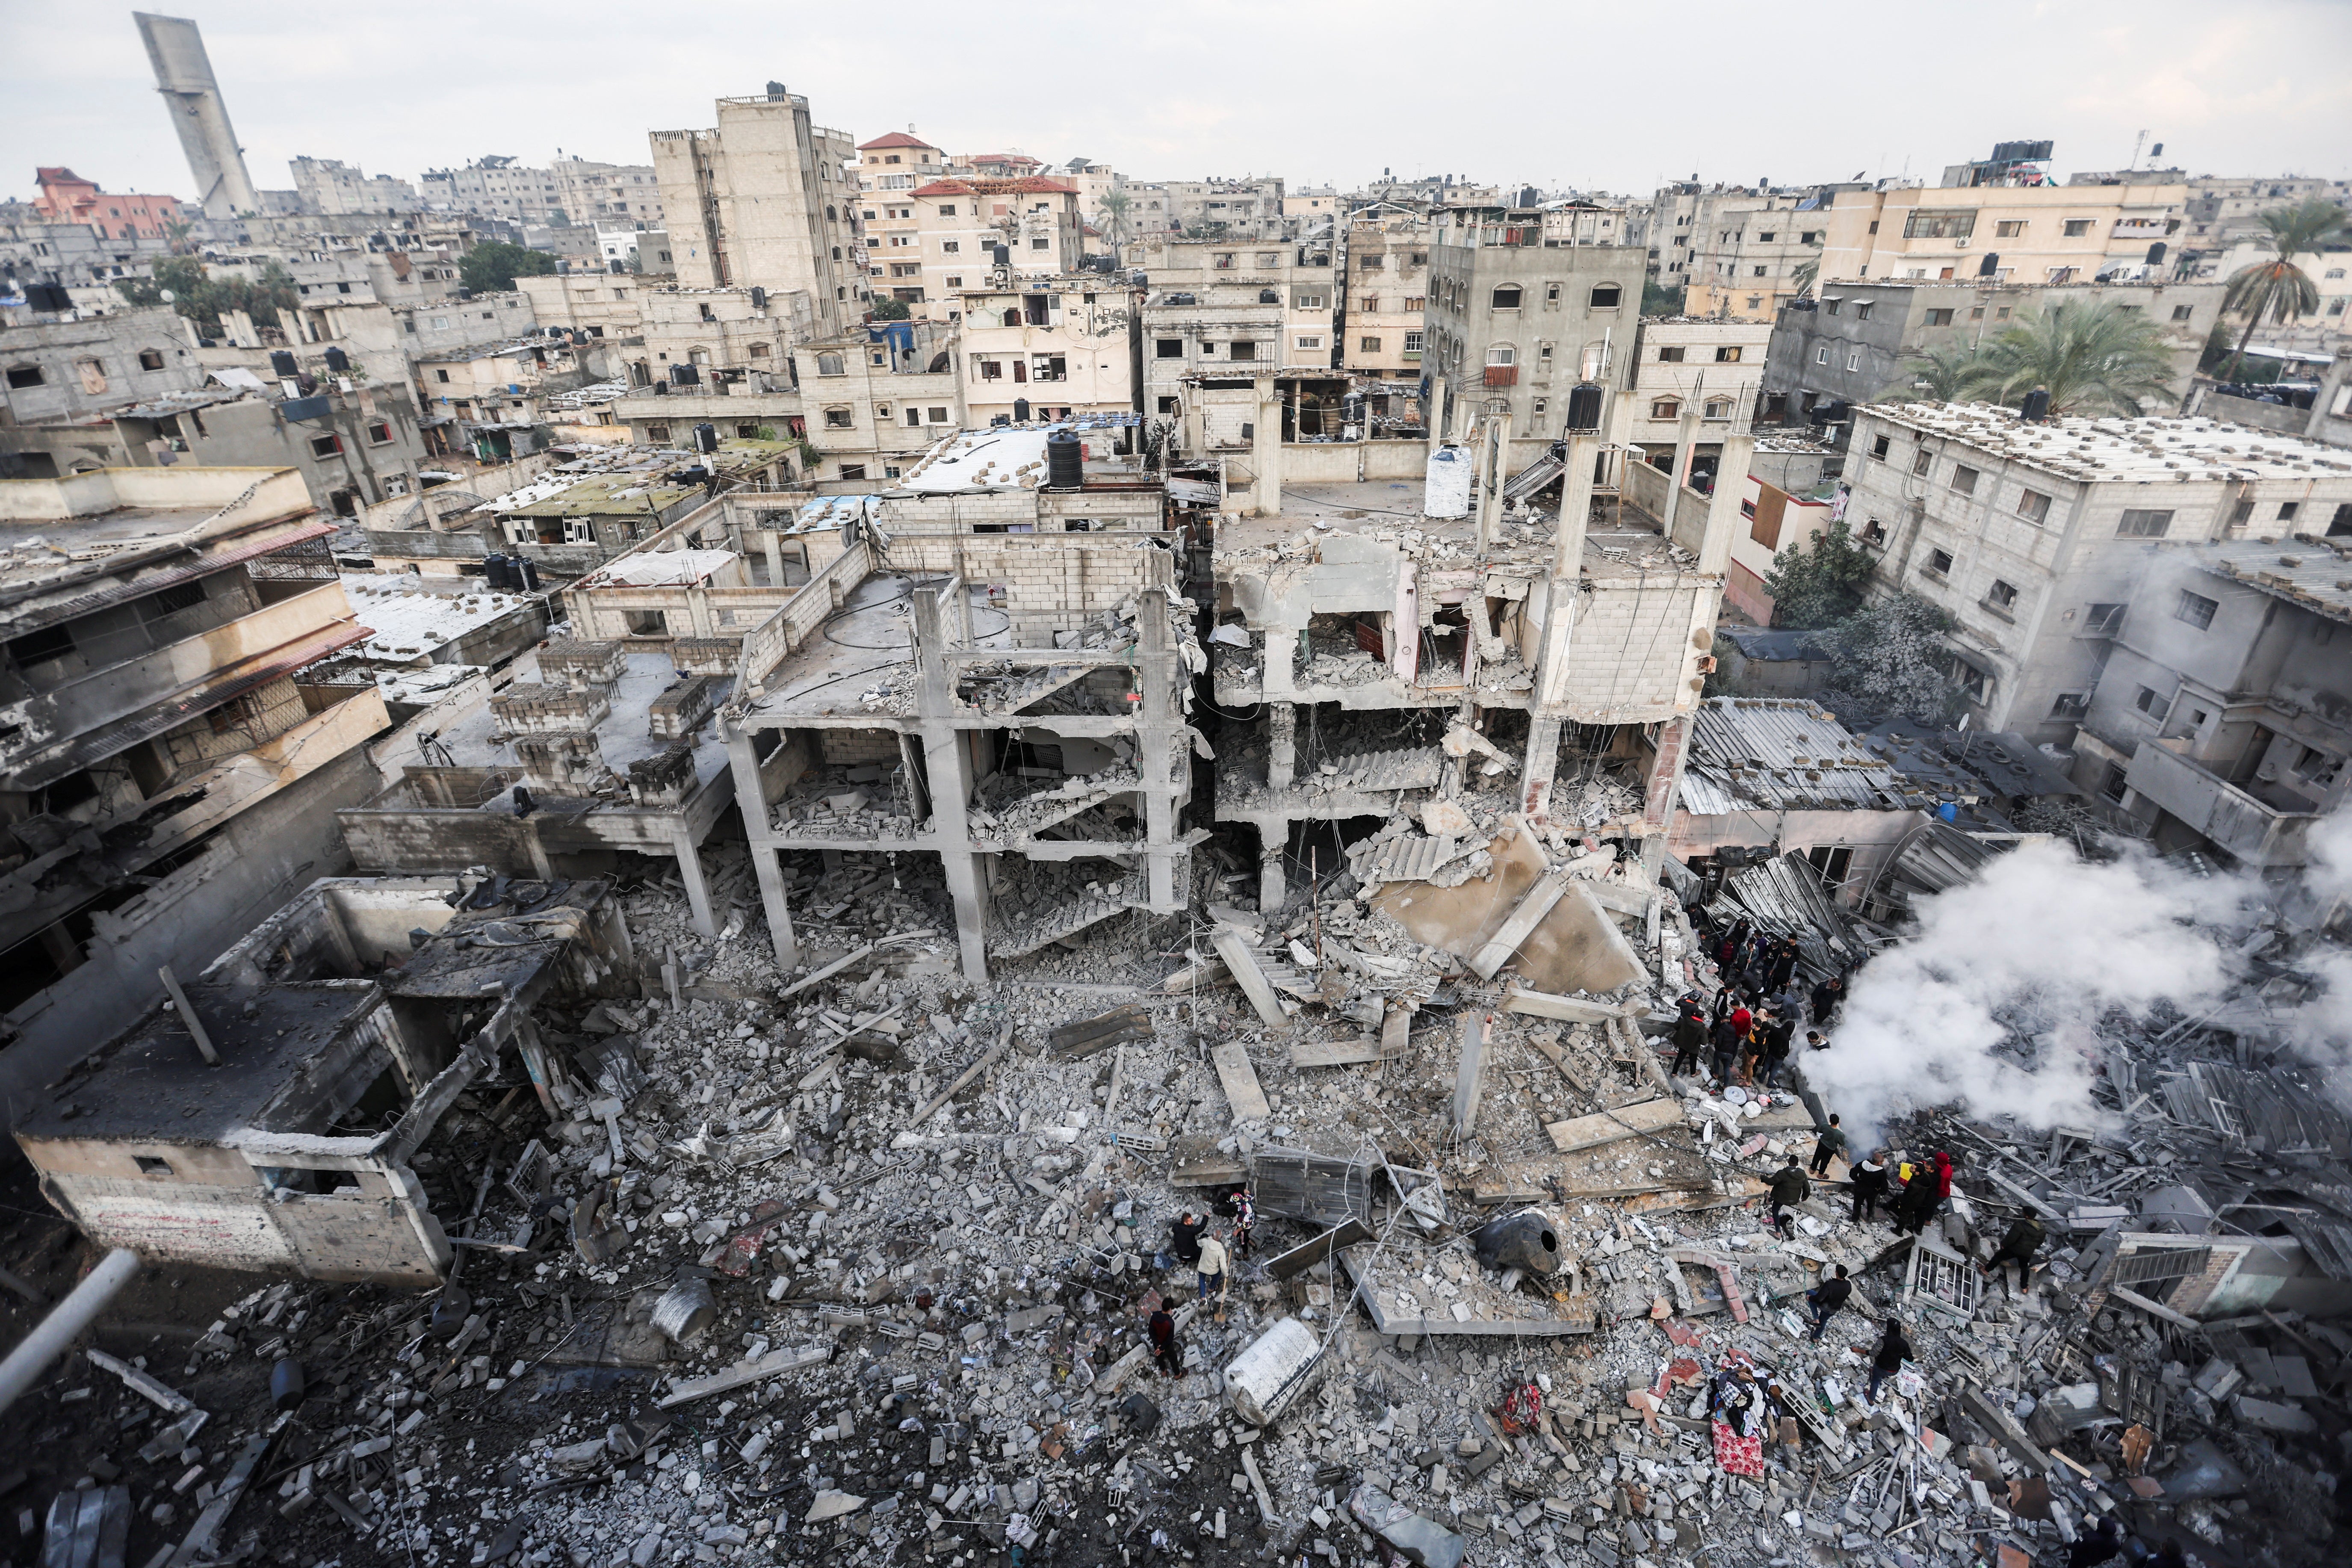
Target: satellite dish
166,296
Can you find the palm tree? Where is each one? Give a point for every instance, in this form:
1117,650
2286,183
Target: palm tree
2090,358
1114,208
2278,287
1806,273
1945,374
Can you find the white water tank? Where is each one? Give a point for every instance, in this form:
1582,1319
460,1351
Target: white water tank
1282,1363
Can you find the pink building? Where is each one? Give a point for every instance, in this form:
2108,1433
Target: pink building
67,198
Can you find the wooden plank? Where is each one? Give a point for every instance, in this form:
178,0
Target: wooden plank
1240,1080
1544,1004
1609,1126
1243,967
1497,949
1339,1053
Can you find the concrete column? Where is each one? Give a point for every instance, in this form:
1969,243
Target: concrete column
1566,573
771,899
1723,519
1494,454
1281,744
1470,1074
1272,890
697,886
946,764
1265,450
1686,443
1159,750
1539,767
775,559
750,799
1658,791
1433,416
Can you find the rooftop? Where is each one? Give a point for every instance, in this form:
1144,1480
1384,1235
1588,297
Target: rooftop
2152,447
409,623
2314,575
622,736
1624,544
1780,754
58,537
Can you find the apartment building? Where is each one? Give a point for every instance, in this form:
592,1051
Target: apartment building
898,163
610,307
1856,341
1229,209
1219,305
67,198
2221,210
764,200
1051,348
1514,323
2218,720
1580,220
607,195
2031,234
1681,368
62,370
494,186
1746,251
874,403
332,187
166,776
2032,535
1383,289
943,238
1150,210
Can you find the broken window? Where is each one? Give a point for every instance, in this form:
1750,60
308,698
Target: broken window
1671,355
170,601
2008,228
2033,506
1939,563
2102,620
1605,296
989,369
2153,703
151,358
1244,350
379,434
2143,523
2002,596
2196,609
1506,297
1665,408
1963,480
1728,355
837,420
1922,461
828,364
2070,705
326,446
646,623
1878,447
1168,348
1368,345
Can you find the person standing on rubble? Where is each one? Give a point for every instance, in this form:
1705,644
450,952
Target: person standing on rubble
1824,1300
1184,1238
1778,1029
1783,967
1827,1146
1826,997
1894,1350
1211,1271
1244,1221
1727,1051
1690,1038
1166,1354
2024,1240
1924,1194
1870,1182
1788,1188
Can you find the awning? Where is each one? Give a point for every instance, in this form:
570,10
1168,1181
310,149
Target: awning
222,686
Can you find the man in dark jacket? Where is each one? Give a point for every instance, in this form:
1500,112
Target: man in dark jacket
2024,1240
1726,1050
1779,1029
1894,1350
1827,1146
1789,1189
1826,1298
1870,1182
1690,1038
1826,997
1783,966
1166,1354
1184,1238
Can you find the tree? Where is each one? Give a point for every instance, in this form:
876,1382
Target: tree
492,268
2091,359
1945,374
1114,207
1890,654
1808,272
199,296
2278,287
1658,300
1821,586
891,311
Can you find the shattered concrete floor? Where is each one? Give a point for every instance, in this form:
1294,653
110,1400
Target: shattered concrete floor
922,1340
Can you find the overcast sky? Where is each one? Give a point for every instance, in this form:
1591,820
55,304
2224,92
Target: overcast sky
1620,97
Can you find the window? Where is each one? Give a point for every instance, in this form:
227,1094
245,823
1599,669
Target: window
1822,354
379,434
2144,524
837,420
1878,447
2001,596
1041,243
325,446
151,358
1167,406
1665,408
1853,359
2287,509
1368,346
1310,342
1413,346
1269,258
1506,297
1310,301
2182,312
1728,355
1168,348
1874,532
2033,507
1605,296
1671,355
1922,461
658,434
2196,609
1940,222
1244,350
2076,227
828,364
881,411
1758,272
1223,262
853,470
948,209
2070,705
1939,563
1964,478
1862,308
441,375
2153,703
1502,353
935,416
1939,318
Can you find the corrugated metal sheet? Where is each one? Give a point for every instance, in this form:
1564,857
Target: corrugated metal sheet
1785,897
1780,755
2269,1112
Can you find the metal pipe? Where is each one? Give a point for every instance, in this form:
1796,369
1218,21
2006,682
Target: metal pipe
64,1325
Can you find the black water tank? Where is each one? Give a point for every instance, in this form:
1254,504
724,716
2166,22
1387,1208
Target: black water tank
1021,410
1988,264
1004,256
758,298
706,438
281,363
1065,468
2037,405
494,572
1584,406
525,575
2156,254
685,375
337,359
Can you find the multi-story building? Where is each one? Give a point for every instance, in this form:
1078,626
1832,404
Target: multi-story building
332,187
1051,348
874,403
496,187
1743,255
2222,210
165,775
1149,211
67,198
2032,536
1581,220
898,163
762,201
1226,209
1681,368
1215,305
2329,270
1312,207
1383,289
944,238
634,250
607,195
1856,339
2218,720
609,306
2029,233
1514,323
70,370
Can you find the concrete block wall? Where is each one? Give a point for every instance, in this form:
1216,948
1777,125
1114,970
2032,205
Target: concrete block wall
564,763
1631,652
664,780
705,656
682,707
527,707
848,748
575,662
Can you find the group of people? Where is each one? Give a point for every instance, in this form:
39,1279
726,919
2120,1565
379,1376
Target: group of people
1193,1244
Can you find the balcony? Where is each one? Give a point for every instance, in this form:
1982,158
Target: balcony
2258,832
1502,375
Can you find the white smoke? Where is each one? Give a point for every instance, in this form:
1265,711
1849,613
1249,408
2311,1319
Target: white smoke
1993,1002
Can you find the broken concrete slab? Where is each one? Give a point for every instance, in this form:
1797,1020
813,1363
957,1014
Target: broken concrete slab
1244,966
756,1370
1240,1081
1609,1126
